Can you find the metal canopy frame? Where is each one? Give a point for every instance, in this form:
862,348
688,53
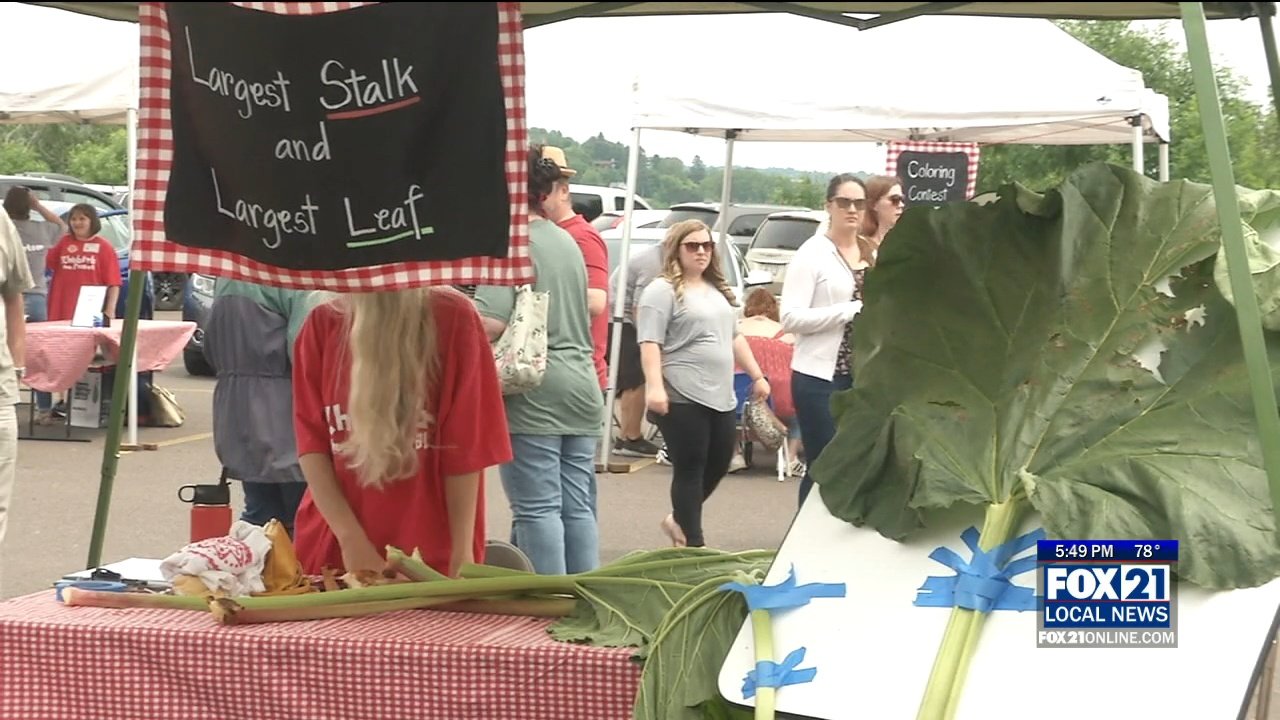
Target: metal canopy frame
1193,15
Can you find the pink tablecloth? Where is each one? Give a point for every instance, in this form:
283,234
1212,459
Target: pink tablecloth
58,355
61,662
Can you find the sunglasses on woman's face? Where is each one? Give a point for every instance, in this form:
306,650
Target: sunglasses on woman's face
706,247
844,203
897,200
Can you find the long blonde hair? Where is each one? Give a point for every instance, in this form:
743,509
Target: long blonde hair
674,272
394,367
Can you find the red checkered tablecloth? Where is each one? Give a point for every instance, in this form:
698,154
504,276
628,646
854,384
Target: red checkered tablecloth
61,662
58,354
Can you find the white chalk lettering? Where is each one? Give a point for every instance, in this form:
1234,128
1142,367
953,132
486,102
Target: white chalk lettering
917,169
926,195
288,149
273,94
358,89
280,222
402,217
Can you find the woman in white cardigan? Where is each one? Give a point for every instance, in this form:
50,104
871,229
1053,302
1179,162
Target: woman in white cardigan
821,296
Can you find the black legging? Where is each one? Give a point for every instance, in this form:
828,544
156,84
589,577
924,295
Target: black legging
700,445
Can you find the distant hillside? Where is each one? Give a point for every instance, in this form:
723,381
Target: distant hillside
667,180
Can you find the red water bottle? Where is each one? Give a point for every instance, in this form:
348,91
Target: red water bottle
210,508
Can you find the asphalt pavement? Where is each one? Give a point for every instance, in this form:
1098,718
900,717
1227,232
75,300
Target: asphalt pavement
51,518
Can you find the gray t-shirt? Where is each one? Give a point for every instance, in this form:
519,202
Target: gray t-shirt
644,266
696,335
38,238
15,279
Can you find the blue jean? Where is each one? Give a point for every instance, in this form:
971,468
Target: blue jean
36,307
264,501
812,398
551,486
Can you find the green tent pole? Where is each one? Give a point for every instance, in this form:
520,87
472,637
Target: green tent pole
115,424
1224,195
1265,10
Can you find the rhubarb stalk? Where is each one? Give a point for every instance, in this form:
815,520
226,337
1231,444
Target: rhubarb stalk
942,694
79,597
762,638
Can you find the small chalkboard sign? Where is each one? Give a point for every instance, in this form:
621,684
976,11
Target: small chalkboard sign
933,178
338,140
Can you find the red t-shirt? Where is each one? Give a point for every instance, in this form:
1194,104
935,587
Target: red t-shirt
469,434
596,256
76,264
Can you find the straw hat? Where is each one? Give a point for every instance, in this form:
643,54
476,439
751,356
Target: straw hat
556,155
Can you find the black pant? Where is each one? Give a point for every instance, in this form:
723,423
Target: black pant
699,445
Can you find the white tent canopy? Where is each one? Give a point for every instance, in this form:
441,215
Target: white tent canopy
988,80
46,80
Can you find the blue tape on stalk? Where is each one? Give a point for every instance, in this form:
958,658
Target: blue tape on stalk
775,675
785,594
985,582
94,585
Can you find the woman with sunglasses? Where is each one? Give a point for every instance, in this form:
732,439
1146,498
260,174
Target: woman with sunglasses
821,295
885,203
689,340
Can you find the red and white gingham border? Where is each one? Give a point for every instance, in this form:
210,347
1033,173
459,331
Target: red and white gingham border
897,147
151,251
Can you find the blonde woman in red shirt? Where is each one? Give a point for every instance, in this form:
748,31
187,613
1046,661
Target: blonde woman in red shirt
397,410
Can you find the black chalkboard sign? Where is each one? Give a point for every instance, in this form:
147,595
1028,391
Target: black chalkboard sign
338,140
933,178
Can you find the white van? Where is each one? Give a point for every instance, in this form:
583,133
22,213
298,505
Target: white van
591,201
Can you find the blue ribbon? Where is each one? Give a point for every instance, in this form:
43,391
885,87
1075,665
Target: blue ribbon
775,675
785,594
985,582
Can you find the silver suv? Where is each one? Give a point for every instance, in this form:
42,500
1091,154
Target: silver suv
777,240
743,220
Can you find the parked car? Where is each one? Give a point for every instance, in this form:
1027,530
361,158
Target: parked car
170,287
115,230
592,201
778,238
61,188
195,308
743,219
612,219
739,279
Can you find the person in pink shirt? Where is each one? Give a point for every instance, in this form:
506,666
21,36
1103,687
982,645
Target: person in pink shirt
558,208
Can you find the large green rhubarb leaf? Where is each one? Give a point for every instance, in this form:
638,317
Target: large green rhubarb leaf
1070,349
623,603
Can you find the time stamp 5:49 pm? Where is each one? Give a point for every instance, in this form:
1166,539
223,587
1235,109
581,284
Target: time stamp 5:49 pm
1106,593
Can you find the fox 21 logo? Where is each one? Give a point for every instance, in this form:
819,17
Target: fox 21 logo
1101,583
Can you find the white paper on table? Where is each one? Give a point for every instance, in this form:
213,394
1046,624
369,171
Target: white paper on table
90,302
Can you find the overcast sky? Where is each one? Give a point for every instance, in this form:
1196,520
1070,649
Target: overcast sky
579,75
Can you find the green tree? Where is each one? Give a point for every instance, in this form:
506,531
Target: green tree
98,162
803,192
16,158
697,169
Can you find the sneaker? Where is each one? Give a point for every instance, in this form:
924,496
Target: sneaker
737,463
635,448
661,458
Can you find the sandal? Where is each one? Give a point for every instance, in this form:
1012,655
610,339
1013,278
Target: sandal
673,531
